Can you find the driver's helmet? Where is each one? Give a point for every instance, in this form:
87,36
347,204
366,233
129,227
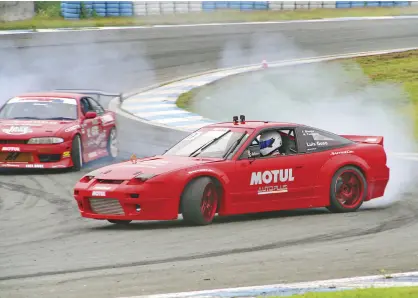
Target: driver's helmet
270,141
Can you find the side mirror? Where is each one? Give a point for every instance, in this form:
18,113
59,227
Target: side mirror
91,115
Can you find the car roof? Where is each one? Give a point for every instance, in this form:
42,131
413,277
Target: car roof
52,94
254,124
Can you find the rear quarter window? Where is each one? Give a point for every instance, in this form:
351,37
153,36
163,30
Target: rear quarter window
315,140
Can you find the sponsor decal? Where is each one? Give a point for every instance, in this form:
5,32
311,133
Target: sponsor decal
93,154
93,131
307,132
102,187
317,143
342,152
66,154
9,165
107,118
13,149
370,140
35,166
58,166
272,176
265,190
193,136
98,193
17,130
72,128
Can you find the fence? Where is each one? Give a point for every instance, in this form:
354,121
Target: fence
76,9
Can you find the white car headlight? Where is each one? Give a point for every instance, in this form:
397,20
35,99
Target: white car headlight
47,140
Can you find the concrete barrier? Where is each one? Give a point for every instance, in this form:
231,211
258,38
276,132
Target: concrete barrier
16,10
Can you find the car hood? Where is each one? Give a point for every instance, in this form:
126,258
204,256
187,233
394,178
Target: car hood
17,129
154,165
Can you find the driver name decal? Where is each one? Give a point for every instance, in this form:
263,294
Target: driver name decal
274,176
17,130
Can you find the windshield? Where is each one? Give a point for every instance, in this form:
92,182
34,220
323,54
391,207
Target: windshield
40,108
204,136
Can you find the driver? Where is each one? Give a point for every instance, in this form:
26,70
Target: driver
270,142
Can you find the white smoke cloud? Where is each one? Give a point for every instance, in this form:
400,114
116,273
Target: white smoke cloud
323,95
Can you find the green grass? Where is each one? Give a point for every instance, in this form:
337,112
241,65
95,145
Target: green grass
185,99
48,17
401,292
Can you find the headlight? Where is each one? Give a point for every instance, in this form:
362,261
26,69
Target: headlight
48,140
144,177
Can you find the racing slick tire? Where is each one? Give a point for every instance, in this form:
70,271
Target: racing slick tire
112,144
348,190
119,222
76,153
199,201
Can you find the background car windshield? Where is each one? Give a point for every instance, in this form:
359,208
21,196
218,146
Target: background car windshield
40,108
202,137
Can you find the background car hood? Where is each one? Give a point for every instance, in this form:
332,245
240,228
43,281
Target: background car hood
153,165
24,129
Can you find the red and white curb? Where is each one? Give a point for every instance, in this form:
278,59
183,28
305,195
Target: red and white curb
377,281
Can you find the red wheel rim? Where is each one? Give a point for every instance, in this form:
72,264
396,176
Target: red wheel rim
209,202
349,189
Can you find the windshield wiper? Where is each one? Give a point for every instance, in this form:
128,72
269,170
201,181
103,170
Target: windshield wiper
203,147
58,118
233,146
26,118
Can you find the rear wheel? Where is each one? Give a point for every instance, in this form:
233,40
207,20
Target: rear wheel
119,222
112,144
200,201
348,190
76,153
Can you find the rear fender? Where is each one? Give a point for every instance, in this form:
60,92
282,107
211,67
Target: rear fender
327,171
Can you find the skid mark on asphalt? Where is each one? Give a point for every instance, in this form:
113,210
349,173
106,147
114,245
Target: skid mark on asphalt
405,219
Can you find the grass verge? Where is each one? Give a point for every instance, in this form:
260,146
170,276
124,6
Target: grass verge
401,292
48,17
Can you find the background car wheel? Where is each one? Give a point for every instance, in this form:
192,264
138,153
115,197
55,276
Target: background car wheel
112,144
76,153
119,222
200,201
348,190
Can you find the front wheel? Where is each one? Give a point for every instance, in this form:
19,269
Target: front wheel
76,153
348,190
200,201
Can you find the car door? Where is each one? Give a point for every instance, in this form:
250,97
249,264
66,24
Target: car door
98,131
89,129
273,182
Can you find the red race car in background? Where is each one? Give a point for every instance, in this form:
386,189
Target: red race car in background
62,129
239,167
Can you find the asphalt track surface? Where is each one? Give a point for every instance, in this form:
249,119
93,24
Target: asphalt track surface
47,250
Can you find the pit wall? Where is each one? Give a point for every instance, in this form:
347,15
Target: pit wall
73,9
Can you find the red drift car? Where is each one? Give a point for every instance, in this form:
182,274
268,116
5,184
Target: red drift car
239,167
55,130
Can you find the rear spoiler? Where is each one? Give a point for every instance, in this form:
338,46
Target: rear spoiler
91,92
365,139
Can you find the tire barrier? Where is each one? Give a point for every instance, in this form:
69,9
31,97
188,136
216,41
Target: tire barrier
79,9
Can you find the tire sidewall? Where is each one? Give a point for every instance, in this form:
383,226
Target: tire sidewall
77,153
109,141
335,205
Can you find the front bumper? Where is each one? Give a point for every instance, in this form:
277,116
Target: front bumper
119,201
36,156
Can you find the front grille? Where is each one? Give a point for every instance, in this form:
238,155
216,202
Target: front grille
106,206
16,157
49,157
14,141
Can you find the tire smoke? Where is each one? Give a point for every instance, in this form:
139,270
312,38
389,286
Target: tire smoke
332,95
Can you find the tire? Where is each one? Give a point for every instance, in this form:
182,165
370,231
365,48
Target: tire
119,222
200,201
112,144
348,190
76,153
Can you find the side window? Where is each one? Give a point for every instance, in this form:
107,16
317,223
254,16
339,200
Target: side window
288,146
85,105
96,106
318,140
